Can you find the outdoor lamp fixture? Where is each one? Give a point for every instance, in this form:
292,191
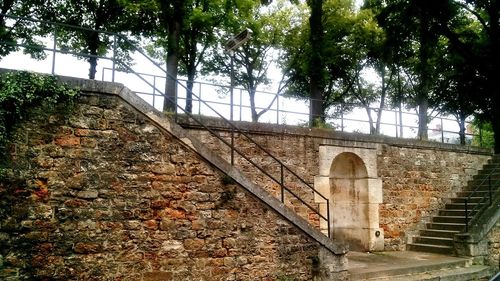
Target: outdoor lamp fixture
231,45
238,40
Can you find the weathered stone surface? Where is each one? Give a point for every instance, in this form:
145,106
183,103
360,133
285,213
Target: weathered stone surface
119,199
493,255
416,176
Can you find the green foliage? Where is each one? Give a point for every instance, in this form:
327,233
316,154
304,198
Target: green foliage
483,134
108,15
252,60
22,90
20,31
348,39
318,123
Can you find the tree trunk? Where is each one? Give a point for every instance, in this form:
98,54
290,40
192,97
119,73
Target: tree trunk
174,30
315,63
424,85
423,119
190,45
400,104
461,125
189,92
370,119
251,93
170,103
382,101
93,44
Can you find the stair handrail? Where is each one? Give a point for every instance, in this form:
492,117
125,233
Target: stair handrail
484,198
234,128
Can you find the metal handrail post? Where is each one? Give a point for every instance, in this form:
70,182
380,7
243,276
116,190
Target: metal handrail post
442,131
241,105
466,215
396,122
231,88
282,185
278,108
154,89
232,146
328,217
54,51
341,117
114,62
199,98
489,188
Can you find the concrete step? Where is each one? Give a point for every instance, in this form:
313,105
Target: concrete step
483,175
478,193
475,199
471,206
495,158
431,240
429,248
477,186
369,266
471,273
445,226
438,233
455,212
491,166
448,219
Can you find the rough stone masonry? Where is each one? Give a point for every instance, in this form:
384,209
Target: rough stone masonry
417,176
102,193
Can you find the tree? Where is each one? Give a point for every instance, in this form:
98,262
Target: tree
368,41
252,60
92,15
411,27
458,84
327,70
200,20
478,46
20,31
315,66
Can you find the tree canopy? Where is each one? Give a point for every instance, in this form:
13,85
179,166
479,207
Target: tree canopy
430,56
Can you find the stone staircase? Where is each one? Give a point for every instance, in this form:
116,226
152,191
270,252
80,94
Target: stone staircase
437,236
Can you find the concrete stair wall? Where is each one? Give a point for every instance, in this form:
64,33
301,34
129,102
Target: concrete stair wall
438,234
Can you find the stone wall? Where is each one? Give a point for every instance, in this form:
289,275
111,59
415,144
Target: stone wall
417,176
493,257
416,183
99,192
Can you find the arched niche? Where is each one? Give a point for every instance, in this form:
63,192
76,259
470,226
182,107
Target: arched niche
349,194
348,177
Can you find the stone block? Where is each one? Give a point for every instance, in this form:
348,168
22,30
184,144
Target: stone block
375,191
157,276
88,194
322,185
376,239
67,141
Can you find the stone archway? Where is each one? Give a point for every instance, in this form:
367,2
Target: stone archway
348,177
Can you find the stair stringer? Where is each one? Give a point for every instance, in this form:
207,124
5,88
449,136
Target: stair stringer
166,124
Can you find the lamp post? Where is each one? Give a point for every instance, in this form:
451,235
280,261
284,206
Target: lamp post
231,45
